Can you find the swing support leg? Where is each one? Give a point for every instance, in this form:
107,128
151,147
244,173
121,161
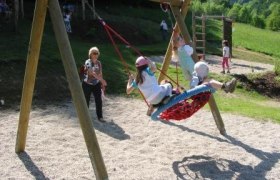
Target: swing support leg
72,77
180,24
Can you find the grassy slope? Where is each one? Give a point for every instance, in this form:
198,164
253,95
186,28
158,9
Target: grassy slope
114,69
257,40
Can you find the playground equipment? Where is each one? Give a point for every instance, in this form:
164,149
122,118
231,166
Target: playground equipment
199,31
72,77
179,9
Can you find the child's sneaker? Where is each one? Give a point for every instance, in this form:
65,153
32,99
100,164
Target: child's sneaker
229,87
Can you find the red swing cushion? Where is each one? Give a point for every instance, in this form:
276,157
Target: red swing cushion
186,108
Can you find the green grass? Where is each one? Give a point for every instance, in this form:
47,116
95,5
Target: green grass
247,104
242,53
241,102
257,40
15,46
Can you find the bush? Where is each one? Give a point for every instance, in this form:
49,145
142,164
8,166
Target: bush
233,12
273,21
277,80
211,8
208,7
258,21
197,7
244,15
277,67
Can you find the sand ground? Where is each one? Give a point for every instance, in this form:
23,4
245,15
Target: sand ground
137,148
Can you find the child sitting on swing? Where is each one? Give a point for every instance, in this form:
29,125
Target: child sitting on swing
147,83
197,72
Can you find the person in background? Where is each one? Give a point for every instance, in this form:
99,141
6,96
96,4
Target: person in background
93,81
5,11
164,30
67,19
226,57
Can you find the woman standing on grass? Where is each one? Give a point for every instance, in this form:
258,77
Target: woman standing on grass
93,81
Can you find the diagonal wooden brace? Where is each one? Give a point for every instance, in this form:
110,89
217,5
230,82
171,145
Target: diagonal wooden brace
179,14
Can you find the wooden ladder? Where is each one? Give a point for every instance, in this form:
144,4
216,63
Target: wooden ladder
199,35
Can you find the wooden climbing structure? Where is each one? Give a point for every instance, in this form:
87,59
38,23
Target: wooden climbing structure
199,27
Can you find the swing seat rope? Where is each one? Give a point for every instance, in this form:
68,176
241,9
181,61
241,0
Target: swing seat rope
181,106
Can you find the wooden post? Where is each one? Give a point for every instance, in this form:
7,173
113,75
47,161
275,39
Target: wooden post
76,90
183,29
173,2
204,35
217,116
187,38
194,30
167,57
30,72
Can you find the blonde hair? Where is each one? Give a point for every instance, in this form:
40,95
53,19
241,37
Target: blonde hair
92,50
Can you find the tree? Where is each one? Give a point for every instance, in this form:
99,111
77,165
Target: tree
244,15
233,12
273,20
258,21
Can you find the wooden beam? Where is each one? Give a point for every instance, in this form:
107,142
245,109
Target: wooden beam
217,116
173,2
209,17
30,72
76,90
167,57
183,29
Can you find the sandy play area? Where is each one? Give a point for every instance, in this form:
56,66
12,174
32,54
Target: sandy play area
136,148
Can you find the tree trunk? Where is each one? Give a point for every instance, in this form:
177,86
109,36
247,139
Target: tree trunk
16,9
22,9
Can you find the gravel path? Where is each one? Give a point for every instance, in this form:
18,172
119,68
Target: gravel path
238,66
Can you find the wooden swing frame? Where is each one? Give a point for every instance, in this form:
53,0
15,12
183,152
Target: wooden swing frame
179,9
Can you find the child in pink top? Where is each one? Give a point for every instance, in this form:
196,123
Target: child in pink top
226,56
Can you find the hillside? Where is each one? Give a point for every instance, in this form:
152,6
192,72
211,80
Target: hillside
51,84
